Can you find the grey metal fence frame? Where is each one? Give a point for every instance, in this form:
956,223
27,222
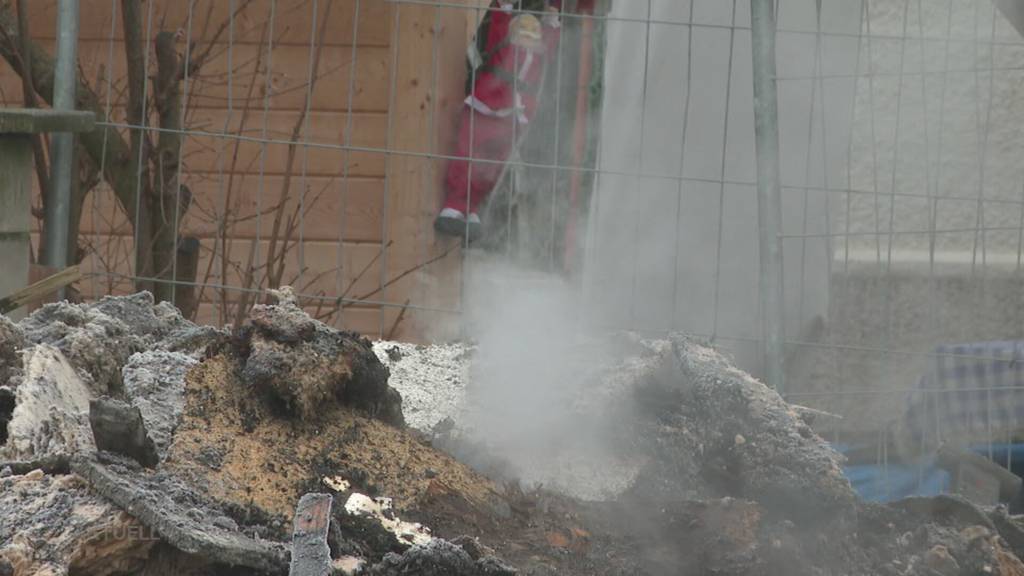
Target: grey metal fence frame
900,176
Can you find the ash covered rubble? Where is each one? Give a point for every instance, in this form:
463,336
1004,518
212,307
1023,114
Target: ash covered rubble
135,442
707,471
130,438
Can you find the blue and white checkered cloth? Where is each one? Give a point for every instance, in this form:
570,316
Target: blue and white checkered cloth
972,391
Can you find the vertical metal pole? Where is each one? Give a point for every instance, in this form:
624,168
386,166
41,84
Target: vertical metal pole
769,201
62,144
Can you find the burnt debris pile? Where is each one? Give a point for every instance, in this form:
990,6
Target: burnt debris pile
138,443
135,442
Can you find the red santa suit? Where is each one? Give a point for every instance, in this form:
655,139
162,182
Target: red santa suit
503,99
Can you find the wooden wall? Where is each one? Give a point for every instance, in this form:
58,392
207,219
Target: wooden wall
359,233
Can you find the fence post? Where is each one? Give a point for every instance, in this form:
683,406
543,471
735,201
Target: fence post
62,147
16,183
769,201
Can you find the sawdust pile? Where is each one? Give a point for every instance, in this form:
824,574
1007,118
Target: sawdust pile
137,443
230,441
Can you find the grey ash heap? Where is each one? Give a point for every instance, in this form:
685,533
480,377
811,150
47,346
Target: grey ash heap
135,442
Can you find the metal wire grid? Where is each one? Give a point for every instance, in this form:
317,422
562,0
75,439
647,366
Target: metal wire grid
225,137
839,233
887,244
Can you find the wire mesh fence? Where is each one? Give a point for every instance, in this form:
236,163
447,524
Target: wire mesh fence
251,144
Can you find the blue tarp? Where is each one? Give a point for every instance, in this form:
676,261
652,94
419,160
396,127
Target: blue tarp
880,483
885,484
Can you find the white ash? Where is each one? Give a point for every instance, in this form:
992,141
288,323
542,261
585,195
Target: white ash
432,379
589,477
154,381
51,414
435,383
382,510
347,565
578,450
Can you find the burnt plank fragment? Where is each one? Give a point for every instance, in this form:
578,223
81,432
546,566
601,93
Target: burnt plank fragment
177,514
311,555
118,427
50,464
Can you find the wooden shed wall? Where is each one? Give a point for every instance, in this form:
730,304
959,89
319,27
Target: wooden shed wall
367,213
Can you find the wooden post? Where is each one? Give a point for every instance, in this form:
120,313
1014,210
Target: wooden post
187,267
310,554
16,126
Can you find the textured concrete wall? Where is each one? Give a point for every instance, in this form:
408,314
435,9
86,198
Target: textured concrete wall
882,326
671,253
922,98
937,118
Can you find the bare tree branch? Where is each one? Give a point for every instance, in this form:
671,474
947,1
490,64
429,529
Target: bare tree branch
29,94
223,224
405,273
203,56
276,270
170,199
135,51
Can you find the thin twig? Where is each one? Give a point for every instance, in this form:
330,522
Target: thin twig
274,279
29,94
407,272
365,269
398,320
201,58
222,225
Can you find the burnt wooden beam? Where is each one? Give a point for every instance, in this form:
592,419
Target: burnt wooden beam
52,464
118,427
175,512
39,290
310,554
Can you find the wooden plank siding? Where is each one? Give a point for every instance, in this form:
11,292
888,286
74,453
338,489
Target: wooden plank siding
428,52
367,213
